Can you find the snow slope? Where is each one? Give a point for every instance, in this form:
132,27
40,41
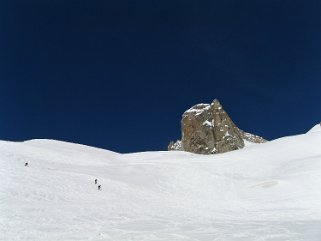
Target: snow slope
266,192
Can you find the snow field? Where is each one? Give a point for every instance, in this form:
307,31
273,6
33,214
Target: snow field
265,192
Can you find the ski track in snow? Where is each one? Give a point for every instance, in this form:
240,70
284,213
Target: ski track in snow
266,192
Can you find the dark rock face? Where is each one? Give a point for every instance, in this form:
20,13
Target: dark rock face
207,129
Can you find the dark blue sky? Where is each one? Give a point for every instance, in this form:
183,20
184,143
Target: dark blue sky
118,74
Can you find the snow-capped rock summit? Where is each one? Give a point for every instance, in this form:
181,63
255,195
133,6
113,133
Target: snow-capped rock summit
207,129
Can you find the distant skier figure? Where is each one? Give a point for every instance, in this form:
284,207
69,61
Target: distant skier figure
96,181
99,187
26,164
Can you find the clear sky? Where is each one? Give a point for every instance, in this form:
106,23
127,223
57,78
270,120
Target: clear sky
118,74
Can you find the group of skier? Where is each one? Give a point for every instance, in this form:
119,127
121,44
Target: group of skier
96,181
99,186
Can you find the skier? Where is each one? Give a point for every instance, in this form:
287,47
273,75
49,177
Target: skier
26,164
96,181
99,187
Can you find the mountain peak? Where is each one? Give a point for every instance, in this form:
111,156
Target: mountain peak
216,101
208,129
216,104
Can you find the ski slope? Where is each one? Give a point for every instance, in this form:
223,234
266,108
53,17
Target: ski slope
265,192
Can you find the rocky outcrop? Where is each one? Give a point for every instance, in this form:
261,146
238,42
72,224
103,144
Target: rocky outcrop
175,146
207,129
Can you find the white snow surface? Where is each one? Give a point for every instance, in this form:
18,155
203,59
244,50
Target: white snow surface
198,109
315,128
266,192
208,123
